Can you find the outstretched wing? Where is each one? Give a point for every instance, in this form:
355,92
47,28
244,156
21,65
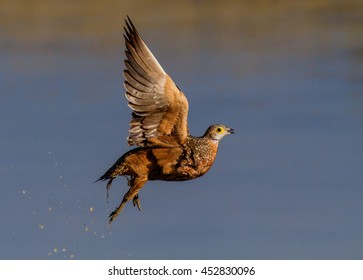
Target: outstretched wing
160,109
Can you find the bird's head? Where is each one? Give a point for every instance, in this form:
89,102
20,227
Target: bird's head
218,131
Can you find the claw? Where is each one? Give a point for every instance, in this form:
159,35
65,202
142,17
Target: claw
136,202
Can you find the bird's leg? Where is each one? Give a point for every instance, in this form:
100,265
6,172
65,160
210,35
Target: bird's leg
128,181
136,201
136,184
108,187
117,211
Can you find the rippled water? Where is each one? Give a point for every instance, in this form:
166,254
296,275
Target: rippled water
287,77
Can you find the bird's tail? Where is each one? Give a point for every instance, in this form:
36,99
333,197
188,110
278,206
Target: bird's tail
119,168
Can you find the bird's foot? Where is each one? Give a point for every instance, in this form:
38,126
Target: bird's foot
136,202
117,211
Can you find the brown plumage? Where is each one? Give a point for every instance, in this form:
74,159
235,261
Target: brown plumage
158,126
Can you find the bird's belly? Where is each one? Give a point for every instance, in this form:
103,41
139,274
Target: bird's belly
174,177
180,173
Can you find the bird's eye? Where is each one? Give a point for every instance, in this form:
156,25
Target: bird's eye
219,130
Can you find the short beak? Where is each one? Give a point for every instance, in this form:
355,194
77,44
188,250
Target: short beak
230,130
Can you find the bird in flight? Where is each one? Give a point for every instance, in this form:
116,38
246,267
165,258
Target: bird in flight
166,150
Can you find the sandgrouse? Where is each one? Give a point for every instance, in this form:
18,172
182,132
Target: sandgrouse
166,151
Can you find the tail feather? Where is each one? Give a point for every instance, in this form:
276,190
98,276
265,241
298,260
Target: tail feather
104,177
117,169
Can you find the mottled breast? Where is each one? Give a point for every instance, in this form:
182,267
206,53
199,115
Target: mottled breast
189,161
